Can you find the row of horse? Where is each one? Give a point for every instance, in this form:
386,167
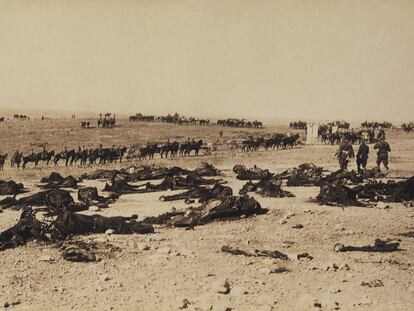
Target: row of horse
376,125
240,123
298,125
104,155
407,127
175,119
276,141
335,138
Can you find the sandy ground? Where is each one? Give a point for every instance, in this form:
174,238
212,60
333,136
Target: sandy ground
175,269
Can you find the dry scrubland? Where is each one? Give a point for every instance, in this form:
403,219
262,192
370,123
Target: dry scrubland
163,270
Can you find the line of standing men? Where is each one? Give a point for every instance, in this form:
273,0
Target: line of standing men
346,152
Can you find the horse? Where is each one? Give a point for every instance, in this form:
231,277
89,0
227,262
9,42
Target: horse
195,145
172,148
3,158
34,157
16,159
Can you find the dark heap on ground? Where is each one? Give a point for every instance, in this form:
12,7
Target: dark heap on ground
11,187
374,191
219,208
147,172
55,181
202,193
254,173
66,224
120,186
306,174
267,187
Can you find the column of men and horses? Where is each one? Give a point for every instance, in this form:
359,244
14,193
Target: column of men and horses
100,155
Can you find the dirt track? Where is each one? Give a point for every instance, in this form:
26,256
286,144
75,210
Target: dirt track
163,270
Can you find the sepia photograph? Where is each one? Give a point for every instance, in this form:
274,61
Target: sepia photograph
207,155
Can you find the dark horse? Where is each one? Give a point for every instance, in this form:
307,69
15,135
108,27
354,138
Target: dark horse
3,158
187,148
16,159
170,148
36,158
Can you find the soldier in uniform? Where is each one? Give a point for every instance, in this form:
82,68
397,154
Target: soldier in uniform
382,153
344,153
362,156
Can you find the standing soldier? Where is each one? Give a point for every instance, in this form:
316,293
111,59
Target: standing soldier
362,156
344,153
382,153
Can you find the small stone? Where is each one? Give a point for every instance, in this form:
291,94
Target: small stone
345,267
109,231
304,256
221,287
104,277
282,221
297,226
46,258
280,270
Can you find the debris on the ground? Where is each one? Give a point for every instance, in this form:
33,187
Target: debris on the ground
379,246
257,253
374,283
305,256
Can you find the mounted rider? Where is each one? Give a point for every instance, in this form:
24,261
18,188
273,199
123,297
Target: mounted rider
16,158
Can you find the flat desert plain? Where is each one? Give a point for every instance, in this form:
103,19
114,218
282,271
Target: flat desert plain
176,269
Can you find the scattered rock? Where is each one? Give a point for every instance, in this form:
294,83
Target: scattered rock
374,283
317,305
45,258
104,277
304,256
184,304
280,270
222,287
282,221
297,226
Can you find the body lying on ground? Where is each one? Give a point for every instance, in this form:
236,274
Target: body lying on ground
267,188
253,173
66,224
55,180
391,191
11,187
201,193
218,208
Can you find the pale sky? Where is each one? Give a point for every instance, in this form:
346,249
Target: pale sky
255,59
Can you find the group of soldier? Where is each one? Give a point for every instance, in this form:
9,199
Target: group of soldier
346,152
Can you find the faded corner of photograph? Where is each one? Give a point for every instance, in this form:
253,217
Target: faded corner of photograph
207,155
